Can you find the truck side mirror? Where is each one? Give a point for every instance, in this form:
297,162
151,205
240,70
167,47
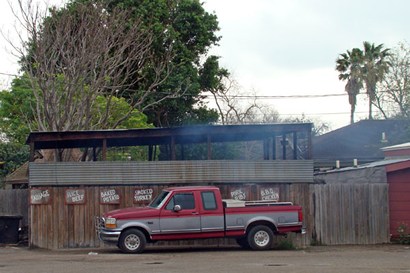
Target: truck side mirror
177,208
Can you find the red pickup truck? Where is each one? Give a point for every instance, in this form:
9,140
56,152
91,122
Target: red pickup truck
199,213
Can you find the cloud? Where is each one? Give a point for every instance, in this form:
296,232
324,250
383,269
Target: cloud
280,47
305,34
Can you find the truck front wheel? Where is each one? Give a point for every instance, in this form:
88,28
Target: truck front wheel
260,237
132,241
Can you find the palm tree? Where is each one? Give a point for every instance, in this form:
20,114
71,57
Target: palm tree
349,66
374,67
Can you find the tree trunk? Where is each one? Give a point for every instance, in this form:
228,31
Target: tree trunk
352,109
370,109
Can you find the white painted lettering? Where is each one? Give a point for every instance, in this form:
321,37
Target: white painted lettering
238,194
142,195
38,196
270,194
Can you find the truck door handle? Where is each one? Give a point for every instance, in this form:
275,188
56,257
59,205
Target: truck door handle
195,213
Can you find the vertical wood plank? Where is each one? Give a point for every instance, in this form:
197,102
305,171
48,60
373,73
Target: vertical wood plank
333,214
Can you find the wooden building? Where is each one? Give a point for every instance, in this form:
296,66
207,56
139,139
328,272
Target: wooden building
18,179
398,178
248,162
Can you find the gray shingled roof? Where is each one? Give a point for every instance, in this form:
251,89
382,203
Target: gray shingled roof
361,140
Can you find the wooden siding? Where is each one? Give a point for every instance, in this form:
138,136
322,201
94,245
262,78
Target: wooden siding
333,214
59,225
15,202
349,214
399,195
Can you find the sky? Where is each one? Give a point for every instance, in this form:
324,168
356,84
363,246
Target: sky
285,51
289,48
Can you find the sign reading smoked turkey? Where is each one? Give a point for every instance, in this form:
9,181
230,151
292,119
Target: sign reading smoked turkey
143,195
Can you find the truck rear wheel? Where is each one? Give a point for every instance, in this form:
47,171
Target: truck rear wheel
260,237
132,241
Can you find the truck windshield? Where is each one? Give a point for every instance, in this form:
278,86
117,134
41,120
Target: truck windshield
158,200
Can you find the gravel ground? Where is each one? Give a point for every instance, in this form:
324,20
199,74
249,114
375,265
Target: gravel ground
375,258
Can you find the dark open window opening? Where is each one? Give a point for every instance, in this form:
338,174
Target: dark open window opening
219,142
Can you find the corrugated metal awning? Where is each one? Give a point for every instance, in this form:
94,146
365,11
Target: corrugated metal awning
160,172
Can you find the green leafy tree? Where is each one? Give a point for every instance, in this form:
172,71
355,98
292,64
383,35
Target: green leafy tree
193,32
16,117
16,111
163,82
120,106
12,155
153,60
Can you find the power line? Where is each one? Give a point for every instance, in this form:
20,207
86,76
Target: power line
288,96
8,74
304,96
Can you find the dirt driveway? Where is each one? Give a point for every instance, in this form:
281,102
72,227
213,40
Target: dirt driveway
380,258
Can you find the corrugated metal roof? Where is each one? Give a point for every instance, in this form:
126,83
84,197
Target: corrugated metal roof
156,136
402,146
369,165
215,171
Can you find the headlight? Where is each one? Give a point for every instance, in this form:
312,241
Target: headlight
110,223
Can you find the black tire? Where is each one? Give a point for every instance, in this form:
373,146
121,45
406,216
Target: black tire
243,242
132,241
260,238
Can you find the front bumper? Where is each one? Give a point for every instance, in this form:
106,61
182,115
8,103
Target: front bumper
109,236
106,235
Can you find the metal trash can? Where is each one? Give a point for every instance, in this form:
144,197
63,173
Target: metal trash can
9,229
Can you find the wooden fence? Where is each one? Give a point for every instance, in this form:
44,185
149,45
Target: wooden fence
14,202
57,223
334,214
349,214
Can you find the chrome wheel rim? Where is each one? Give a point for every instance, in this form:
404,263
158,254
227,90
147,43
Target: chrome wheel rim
132,242
261,238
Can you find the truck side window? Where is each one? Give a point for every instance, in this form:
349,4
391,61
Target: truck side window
185,200
209,200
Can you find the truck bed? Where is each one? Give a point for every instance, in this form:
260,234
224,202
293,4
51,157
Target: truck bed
232,203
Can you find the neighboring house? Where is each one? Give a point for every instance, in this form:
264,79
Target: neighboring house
362,141
398,177
18,179
394,170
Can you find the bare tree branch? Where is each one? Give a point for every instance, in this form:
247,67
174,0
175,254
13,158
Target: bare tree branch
75,55
393,100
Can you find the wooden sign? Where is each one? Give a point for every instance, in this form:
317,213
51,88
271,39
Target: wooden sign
40,196
238,194
75,196
269,193
143,195
109,196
